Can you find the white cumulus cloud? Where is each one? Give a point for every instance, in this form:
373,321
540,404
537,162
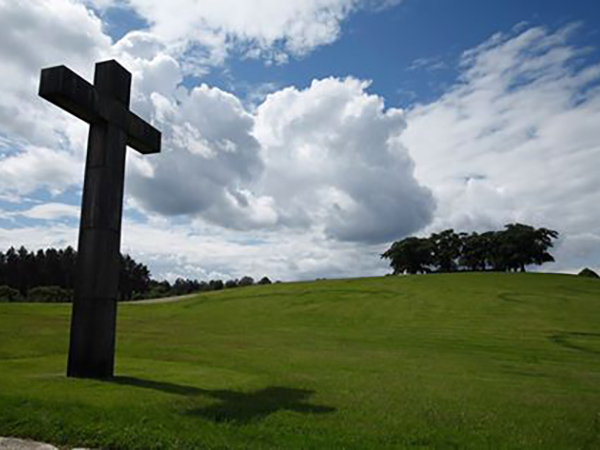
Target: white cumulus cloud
326,158
517,139
206,32
334,159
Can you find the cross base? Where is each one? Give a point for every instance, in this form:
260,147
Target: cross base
92,349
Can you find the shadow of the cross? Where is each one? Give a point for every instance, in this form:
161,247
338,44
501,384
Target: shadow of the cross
237,407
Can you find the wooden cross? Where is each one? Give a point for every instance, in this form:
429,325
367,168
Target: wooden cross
105,106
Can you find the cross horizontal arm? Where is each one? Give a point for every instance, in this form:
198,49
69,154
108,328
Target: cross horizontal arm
63,87
141,135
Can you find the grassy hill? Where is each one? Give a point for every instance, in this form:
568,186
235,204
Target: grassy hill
437,361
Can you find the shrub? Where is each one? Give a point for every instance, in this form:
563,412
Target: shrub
215,285
264,280
231,284
8,294
588,273
246,281
50,294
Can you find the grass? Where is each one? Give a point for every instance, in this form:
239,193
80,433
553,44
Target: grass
438,361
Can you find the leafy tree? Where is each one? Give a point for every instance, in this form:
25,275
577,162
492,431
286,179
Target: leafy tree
3,277
229,284
50,294
411,255
11,267
24,270
264,280
185,286
588,273
246,281
446,249
513,248
157,289
216,285
68,265
52,270
479,251
521,245
133,277
9,294
56,270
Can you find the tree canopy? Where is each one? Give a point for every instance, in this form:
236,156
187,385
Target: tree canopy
28,271
411,255
511,249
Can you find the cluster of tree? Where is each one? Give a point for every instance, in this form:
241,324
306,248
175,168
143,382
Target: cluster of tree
23,270
49,276
511,249
183,286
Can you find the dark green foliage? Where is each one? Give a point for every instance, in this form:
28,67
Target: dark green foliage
246,281
133,278
511,249
215,285
50,294
411,255
8,294
158,289
445,250
264,280
476,250
521,245
588,273
229,284
185,286
25,271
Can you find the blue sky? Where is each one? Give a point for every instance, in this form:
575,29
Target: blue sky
387,46
301,138
410,52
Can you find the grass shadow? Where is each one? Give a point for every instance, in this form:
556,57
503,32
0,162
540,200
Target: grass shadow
237,407
510,297
564,340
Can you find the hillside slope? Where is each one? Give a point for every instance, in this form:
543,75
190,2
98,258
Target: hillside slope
437,361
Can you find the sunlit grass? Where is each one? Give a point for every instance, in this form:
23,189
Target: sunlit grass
436,361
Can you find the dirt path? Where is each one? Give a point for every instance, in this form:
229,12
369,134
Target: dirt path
22,444
150,301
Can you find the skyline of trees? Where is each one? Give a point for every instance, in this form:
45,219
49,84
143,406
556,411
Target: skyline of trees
27,272
49,275
511,249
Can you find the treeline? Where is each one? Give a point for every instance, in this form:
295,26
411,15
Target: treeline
182,286
50,276
510,249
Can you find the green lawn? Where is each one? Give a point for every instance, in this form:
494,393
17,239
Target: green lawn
438,361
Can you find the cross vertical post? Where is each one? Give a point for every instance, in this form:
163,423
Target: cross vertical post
105,105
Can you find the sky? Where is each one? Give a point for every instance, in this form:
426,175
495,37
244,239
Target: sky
301,138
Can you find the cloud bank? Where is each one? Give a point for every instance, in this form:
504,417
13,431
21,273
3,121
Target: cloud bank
517,139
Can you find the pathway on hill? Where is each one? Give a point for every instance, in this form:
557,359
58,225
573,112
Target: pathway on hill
174,298
22,444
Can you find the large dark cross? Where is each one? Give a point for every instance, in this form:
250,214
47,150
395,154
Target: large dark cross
105,106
